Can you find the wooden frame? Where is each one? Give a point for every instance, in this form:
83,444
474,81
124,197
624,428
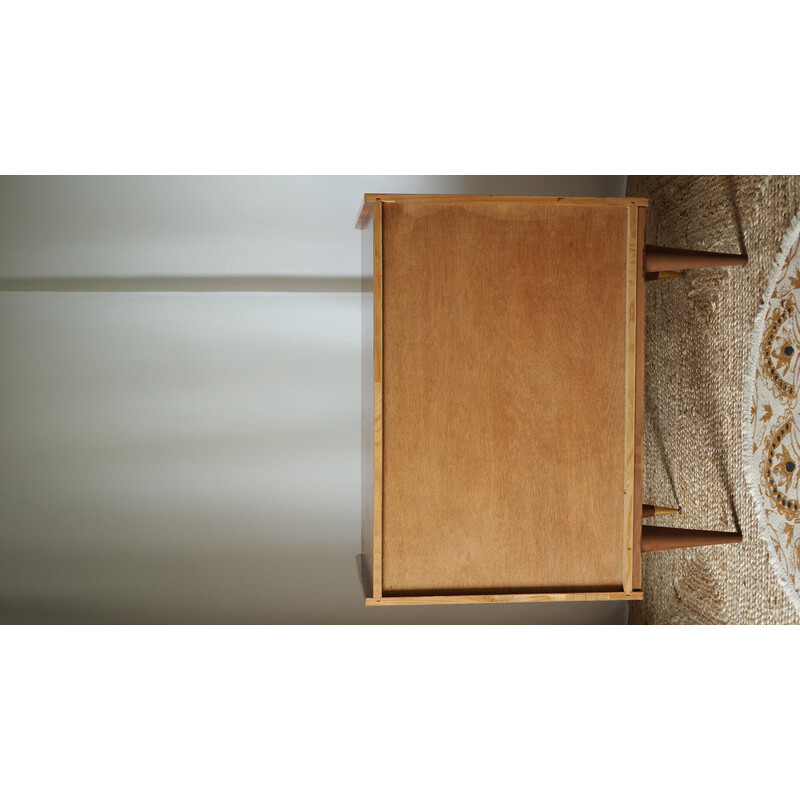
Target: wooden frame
630,401
641,215
370,222
377,226
367,207
465,599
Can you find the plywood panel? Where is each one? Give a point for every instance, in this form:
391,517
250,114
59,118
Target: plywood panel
504,397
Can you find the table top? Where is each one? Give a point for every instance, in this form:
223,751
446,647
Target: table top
507,333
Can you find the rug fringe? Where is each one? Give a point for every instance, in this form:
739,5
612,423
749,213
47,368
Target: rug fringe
750,459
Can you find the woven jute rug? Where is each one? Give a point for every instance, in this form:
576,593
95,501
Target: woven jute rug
771,436
698,334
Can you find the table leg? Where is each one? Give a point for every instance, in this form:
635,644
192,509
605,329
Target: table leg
657,511
657,538
672,260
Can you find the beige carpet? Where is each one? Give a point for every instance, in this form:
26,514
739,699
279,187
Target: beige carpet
698,335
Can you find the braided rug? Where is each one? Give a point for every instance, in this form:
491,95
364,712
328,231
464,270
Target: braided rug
698,336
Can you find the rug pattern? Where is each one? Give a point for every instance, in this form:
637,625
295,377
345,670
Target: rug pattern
772,435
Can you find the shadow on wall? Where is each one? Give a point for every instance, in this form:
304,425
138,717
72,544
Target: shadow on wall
218,585
24,245
188,283
541,185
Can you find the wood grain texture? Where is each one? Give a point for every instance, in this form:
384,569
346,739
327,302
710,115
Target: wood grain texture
504,396
365,214
629,441
559,597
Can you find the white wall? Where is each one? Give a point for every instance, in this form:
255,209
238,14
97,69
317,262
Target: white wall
192,455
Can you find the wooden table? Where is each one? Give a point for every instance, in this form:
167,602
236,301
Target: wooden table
502,388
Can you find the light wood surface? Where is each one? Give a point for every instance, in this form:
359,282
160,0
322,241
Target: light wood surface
658,276
657,511
377,355
629,441
368,205
503,598
508,345
641,215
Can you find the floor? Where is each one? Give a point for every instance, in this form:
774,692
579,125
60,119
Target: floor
698,330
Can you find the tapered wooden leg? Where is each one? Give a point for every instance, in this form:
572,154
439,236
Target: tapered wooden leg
671,259
657,511
660,276
654,538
